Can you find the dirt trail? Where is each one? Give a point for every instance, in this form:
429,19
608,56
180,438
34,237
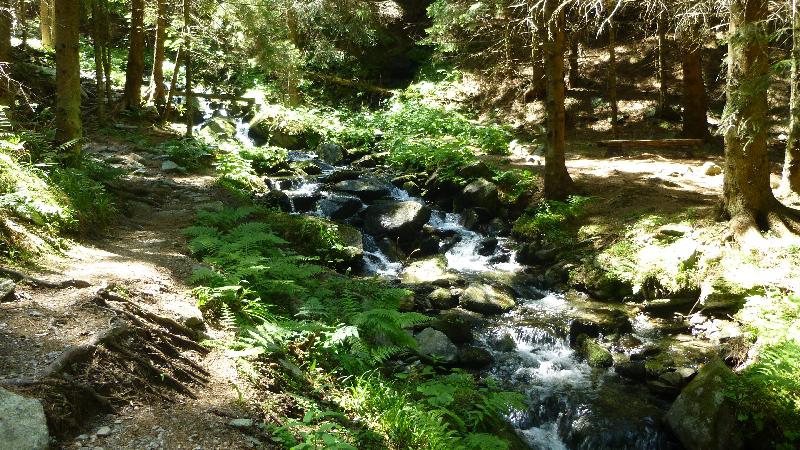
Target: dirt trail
141,262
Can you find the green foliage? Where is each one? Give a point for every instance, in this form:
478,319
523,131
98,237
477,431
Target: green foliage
548,219
316,430
192,154
767,392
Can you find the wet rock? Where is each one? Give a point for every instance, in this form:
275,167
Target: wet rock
436,345
367,189
396,219
390,248
428,271
304,202
22,423
503,343
442,298
341,175
339,208
666,307
635,370
457,324
371,161
439,185
645,352
488,246
474,357
663,389
721,296
480,193
596,355
702,417
486,299
274,199
7,288
711,169
330,153
307,167
673,379
581,327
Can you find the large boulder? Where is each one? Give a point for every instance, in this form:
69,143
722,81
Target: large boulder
367,189
480,194
7,288
396,219
219,128
282,128
23,425
486,299
428,271
436,345
702,417
339,207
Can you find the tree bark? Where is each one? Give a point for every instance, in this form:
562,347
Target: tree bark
662,66
292,77
105,27
747,195
557,183
695,105
173,83
187,61
574,56
135,68
97,33
68,82
6,90
46,22
157,94
612,77
791,166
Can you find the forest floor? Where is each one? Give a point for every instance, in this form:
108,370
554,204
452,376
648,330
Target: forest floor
145,257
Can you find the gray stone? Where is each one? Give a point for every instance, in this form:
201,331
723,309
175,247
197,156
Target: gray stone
170,166
702,417
481,193
220,127
187,314
442,298
241,423
474,357
486,299
396,219
23,425
435,344
103,431
428,271
369,189
338,176
634,370
7,288
674,230
504,343
339,208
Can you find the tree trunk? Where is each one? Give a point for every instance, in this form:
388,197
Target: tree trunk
574,56
46,22
557,182
695,106
747,195
106,38
68,81
294,37
157,79
791,167
22,21
6,90
187,61
173,83
97,33
612,77
662,66
135,69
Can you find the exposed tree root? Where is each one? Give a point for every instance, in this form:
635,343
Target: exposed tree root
747,228
140,356
19,276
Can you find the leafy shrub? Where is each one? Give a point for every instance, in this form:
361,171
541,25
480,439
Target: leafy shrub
190,153
547,220
264,159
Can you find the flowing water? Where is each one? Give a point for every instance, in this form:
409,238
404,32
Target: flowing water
571,405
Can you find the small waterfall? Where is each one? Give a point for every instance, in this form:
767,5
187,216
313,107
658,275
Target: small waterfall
376,262
464,255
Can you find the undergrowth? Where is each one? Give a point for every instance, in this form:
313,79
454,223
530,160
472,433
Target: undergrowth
549,219
287,306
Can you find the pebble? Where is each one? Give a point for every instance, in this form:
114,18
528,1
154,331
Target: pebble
241,423
104,431
118,421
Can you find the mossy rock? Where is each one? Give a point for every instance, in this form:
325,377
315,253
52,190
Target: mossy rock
596,355
339,245
600,283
